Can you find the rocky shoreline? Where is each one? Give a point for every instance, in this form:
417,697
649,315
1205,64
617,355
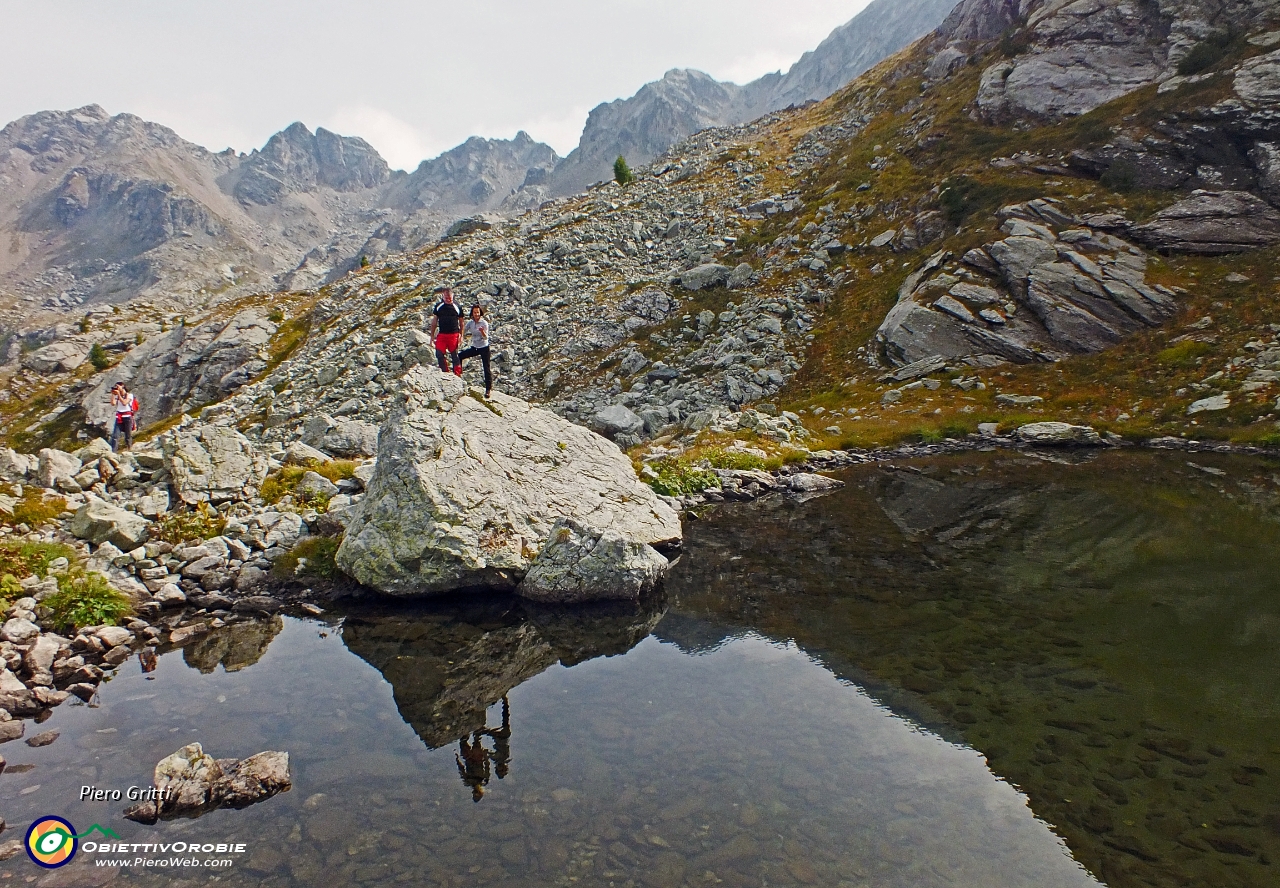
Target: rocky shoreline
183,592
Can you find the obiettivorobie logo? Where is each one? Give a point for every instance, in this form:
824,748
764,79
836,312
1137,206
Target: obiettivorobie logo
52,841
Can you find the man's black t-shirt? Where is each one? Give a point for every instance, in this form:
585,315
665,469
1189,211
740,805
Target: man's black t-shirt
450,317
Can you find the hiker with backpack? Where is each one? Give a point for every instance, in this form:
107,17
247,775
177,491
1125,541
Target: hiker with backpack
446,331
126,408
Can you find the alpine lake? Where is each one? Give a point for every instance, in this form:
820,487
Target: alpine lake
990,669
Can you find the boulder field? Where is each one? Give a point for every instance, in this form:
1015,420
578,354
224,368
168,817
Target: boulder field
472,492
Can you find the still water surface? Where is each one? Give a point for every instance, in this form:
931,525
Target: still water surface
980,671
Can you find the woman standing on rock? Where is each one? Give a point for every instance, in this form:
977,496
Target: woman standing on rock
478,329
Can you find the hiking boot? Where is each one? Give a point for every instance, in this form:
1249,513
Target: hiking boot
457,371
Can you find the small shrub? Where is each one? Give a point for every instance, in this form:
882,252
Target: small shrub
1121,177
98,357
1207,53
25,559
313,557
202,522
621,172
85,324
138,338
1014,43
364,261
1184,354
86,599
10,589
275,316
676,478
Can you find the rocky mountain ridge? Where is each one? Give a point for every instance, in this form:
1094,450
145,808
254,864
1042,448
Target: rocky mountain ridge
106,208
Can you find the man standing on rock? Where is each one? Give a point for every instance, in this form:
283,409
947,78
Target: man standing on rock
446,331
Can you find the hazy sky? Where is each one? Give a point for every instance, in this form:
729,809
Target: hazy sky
413,78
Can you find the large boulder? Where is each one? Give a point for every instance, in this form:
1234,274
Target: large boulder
1058,434
57,357
1212,222
16,466
709,275
466,493
187,367
100,522
55,465
616,420
1052,287
213,464
581,563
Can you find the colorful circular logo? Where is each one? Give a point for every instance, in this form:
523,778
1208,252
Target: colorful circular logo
51,842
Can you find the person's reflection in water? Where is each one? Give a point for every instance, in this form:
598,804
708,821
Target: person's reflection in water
473,757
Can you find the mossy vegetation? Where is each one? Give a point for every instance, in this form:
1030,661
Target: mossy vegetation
313,557
284,482
33,508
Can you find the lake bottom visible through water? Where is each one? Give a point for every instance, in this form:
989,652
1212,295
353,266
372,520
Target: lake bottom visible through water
950,673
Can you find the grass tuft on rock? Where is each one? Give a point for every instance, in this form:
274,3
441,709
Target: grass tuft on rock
284,482
86,599
313,557
202,522
25,558
33,508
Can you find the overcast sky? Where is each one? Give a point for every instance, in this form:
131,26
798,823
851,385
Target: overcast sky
413,77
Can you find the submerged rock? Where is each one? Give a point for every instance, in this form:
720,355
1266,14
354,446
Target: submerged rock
466,493
190,782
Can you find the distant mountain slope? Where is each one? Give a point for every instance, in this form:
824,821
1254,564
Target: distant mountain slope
684,100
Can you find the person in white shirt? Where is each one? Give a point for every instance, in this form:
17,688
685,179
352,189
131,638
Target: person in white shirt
126,408
477,328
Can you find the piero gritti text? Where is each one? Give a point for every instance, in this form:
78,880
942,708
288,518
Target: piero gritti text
133,794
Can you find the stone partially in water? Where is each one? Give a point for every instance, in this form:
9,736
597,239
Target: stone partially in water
581,563
1058,433
190,782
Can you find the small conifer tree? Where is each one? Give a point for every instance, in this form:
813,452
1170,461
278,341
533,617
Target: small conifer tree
98,357
621,172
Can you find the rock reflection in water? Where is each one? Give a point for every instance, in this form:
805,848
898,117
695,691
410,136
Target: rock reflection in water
448,664
232,647
1107,634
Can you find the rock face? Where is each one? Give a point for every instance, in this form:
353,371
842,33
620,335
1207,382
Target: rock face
1072,57
1212,222
185,368
212,464
191,782
466,493
1051,288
